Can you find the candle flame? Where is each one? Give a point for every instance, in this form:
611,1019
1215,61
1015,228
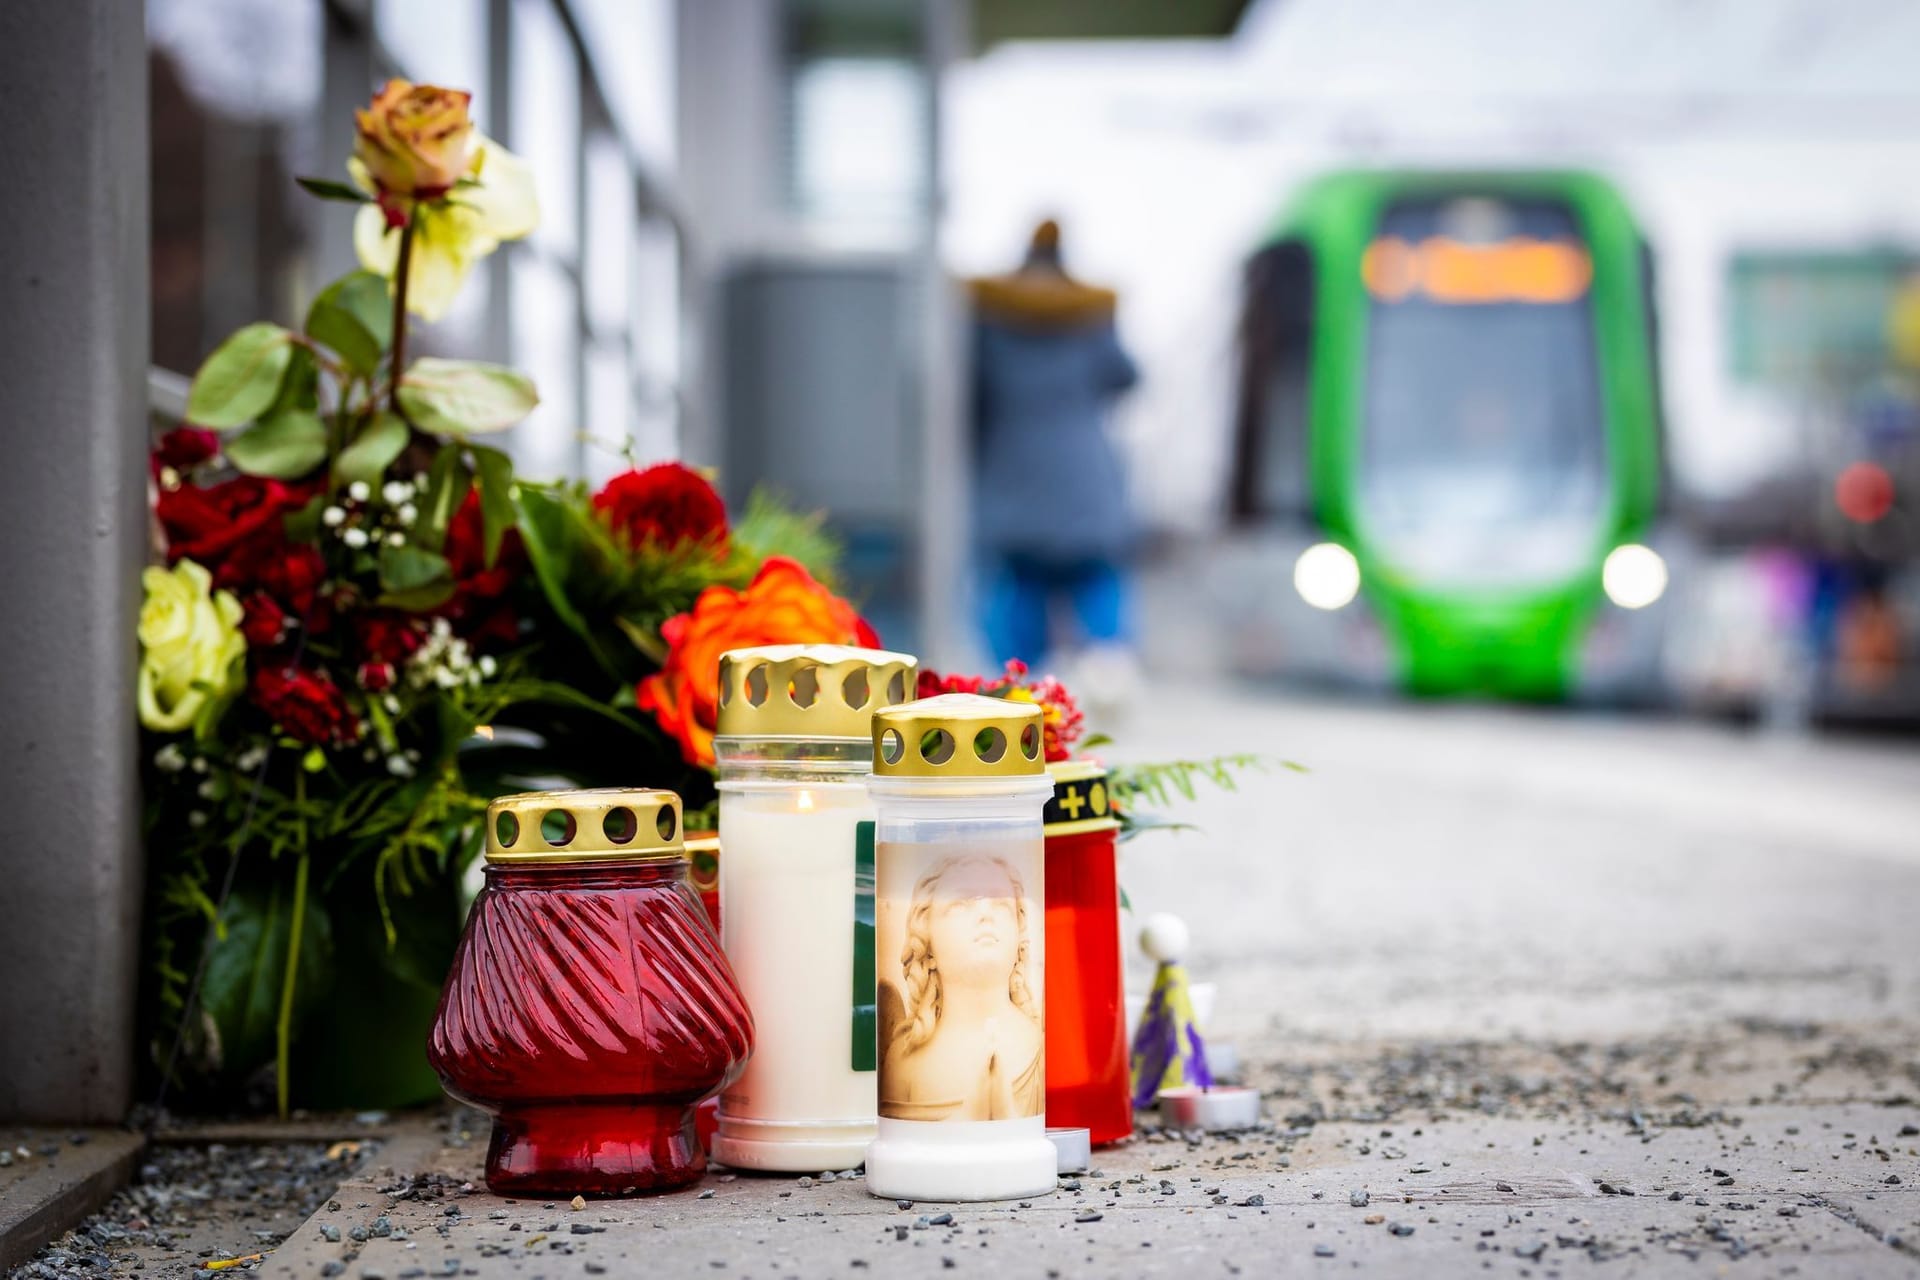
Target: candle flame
805,802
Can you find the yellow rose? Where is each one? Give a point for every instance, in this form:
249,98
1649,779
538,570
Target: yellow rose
452,234
416,140
191,649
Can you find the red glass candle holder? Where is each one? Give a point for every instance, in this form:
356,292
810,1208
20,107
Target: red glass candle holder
589,1009
1087,1082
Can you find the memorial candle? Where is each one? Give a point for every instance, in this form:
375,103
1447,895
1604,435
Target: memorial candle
959,784
589,1008
1087,1082
796,897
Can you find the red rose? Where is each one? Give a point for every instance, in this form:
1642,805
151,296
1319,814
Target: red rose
184,448
389,638
265,623
376,677
667,505
204,524
466,551
290,572
306,704
476,610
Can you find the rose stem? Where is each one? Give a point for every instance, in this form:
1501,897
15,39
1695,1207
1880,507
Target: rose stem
401,272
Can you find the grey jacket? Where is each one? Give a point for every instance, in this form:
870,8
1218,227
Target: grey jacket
1049,484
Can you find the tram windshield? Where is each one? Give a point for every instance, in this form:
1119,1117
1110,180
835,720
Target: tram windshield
1484,448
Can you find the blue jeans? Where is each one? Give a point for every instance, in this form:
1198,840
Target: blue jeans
1019,600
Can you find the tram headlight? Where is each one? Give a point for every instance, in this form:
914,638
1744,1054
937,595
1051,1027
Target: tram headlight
1633,576
1326,575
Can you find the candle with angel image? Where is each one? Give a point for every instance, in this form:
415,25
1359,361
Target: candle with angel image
959,950
960,1017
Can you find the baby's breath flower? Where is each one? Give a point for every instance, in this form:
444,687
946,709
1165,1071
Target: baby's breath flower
333,517
170,758
396,492
355,538
359,491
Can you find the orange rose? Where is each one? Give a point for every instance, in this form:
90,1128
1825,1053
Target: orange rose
416,140
782,605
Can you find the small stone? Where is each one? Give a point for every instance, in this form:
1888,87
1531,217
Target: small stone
1358,1199
579,1202
332,1268
899,1231
583,1228
1374,1219
941,1220
1087,1215
1677,1195
705,1195
1503,1186
903,1204
1070,1184
1323,1251
805,1181
1401,1229
1893,1179
826,1177
357,1233
329,1233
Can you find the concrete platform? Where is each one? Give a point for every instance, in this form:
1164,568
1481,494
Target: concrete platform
52,1178
1564,994
1765,1191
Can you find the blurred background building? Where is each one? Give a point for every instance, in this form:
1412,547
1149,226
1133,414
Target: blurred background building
755,209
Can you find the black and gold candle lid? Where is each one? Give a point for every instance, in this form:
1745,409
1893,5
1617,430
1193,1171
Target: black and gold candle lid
1081,799
809,690
703,860
959,735
606,826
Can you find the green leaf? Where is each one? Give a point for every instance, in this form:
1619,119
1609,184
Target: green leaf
247,967
242,376
329,190
284,447
495,483
414,578
465,397
544,530
354,317
372,451
300,388
303,523
447,483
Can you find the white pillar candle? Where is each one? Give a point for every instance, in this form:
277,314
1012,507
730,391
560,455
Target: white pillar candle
796,898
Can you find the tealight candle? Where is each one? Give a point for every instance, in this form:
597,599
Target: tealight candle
588,1008
959,785
796,897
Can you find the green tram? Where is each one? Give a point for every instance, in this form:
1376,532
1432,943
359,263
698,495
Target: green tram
1448,398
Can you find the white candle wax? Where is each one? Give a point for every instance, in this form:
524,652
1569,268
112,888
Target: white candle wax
787,883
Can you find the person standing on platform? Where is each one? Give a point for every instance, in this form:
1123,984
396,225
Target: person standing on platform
1050,505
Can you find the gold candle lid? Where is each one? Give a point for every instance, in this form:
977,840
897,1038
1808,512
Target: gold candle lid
809,690
959,735
1081,800
609,825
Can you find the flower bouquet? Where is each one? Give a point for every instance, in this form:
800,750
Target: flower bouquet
362,625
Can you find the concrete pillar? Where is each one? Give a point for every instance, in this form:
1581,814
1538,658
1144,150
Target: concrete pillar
946,480
73,356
